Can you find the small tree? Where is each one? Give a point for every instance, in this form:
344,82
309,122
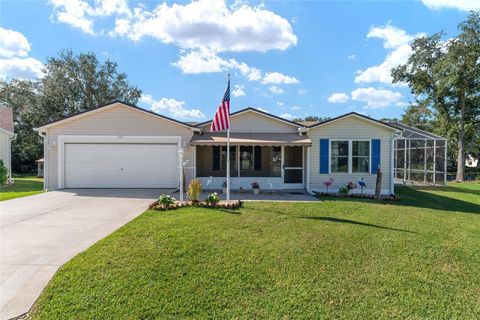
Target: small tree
3,173
194,190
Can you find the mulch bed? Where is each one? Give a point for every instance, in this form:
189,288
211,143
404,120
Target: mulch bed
232,205
391,197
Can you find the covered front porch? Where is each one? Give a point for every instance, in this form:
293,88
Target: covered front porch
274,161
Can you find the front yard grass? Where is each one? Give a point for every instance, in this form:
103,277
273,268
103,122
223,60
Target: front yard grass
22,187
341,258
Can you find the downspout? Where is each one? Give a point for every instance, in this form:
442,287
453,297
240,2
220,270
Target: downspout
43,135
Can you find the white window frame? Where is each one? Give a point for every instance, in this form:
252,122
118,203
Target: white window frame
350,156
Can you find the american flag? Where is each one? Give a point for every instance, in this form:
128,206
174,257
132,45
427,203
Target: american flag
221,120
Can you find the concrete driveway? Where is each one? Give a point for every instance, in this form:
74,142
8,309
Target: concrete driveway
41,232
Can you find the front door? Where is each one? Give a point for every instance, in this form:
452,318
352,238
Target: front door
293,167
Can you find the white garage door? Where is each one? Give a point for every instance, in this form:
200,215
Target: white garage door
121,165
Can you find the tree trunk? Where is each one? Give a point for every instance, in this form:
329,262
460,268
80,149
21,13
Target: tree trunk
461,141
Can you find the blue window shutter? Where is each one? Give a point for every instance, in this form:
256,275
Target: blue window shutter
375,155
324,155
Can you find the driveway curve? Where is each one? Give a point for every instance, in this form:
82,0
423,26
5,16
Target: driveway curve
40,233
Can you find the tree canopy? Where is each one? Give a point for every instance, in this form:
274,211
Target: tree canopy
70,84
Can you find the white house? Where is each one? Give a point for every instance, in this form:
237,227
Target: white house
123,146
6,137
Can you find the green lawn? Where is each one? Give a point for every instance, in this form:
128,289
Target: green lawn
23,186
343,259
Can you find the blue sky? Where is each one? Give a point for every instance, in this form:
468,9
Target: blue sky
290,58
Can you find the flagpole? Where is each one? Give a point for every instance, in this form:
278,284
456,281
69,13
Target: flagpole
228,165
228,155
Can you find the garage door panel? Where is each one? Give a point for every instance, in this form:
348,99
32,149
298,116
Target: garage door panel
121,166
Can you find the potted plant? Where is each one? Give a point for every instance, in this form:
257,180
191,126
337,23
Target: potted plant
343,191
224,186
255,188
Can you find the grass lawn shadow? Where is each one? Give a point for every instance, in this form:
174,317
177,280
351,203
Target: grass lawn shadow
332,219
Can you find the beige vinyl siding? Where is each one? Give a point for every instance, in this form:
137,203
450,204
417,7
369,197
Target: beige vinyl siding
351,128
118,120
251,121
4,149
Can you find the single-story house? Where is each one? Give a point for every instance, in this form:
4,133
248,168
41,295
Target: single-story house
7,135
123,146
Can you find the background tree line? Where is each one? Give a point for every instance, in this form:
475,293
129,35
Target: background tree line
70,84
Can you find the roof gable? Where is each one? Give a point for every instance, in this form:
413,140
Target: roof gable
357,116
256,112
109,106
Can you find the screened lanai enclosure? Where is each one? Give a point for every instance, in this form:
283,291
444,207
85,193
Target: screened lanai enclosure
420,157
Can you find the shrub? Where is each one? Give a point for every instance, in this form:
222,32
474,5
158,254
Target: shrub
212,198
194,190
166,200
343,190
3,173
255,185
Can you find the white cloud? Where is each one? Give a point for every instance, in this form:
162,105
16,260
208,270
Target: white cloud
352,57
302,91
294,108
376,98
174,107
208,61
397,41
20,68
80,14
287,116
278,78
464,5
338,98
14,60
280,103
201,61
276,90
238,91
13,43
264,110
210,24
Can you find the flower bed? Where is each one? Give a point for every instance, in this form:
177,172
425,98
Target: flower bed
357,195
232,205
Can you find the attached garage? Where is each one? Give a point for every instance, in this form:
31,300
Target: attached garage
117,146
121,165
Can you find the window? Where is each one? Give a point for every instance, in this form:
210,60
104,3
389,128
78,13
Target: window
223,158
276,162
246,158
360,156
350,156
339,158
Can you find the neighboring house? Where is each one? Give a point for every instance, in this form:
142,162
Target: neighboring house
40,164
6,137
471,161
123,146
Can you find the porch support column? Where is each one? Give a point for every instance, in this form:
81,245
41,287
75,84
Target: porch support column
238,165
194,162
308,169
